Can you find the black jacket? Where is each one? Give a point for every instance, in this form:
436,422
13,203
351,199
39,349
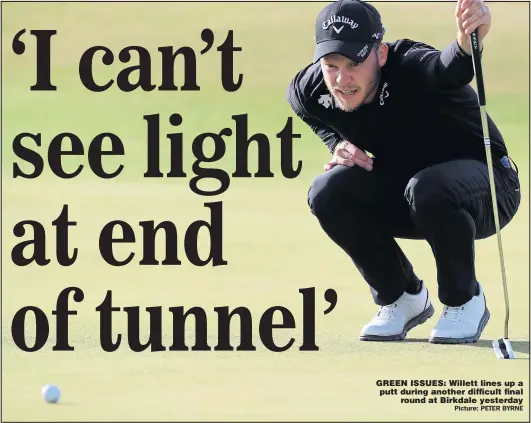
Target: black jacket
425,111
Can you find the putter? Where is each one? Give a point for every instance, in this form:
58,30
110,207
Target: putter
502,347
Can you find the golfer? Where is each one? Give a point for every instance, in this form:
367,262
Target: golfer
403,126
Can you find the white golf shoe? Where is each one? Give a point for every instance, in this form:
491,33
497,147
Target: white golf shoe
463,324
392,322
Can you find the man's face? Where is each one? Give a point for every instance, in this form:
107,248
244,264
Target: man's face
350,83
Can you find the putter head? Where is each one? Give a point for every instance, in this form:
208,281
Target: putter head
503,349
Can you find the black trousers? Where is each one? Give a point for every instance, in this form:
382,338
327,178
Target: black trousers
449,205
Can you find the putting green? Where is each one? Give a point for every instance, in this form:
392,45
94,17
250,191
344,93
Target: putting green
272,244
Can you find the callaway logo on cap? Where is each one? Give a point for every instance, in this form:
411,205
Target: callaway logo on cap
349,28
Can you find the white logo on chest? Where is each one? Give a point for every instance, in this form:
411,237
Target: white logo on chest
326,101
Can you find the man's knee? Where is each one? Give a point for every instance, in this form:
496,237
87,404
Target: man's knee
326,191
321,194
429,191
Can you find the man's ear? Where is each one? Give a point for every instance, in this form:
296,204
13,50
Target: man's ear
383,50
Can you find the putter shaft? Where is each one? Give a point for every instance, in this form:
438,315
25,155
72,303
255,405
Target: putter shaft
476,60
486,140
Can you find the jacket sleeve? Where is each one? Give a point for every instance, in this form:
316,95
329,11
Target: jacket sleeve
324,132
447,69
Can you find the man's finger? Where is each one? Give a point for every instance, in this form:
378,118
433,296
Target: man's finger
347,154
465,4
361,155
342,161
351,148
343,153
474,13
363,163
357,152
469,12
471,24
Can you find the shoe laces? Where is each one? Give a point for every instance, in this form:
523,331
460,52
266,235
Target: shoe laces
452,313
386,312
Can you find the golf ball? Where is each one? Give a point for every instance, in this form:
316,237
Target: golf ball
51,393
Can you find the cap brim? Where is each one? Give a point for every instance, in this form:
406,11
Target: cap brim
355,51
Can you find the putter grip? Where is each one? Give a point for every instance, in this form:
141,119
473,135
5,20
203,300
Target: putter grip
476,59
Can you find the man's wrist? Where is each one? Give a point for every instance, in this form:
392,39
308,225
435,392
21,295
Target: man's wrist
464,44
463,41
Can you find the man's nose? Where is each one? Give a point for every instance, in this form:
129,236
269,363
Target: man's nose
343,77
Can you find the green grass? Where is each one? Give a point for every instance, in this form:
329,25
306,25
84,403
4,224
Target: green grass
272,243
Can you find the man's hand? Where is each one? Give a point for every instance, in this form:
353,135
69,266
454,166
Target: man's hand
347,154
471,14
